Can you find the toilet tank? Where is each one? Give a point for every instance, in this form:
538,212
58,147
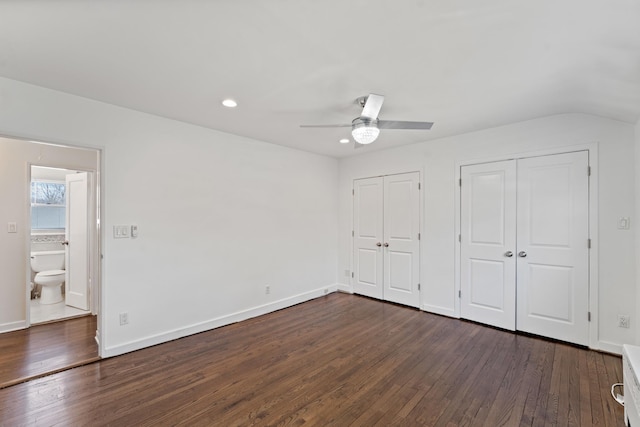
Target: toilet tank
49,260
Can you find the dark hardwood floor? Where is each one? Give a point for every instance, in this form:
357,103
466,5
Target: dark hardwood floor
47,348
338,360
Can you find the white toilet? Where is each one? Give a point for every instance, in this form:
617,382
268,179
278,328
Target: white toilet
49,267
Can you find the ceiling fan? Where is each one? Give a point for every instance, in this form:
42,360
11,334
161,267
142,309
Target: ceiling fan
366,128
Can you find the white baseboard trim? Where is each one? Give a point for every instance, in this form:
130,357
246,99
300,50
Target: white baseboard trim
609,347
444,311
217,322
13,326
348,289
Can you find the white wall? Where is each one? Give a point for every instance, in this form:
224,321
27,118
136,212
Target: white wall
635,224
14,192
222,216
437,161
219,216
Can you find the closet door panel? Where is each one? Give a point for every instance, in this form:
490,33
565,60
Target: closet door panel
401,239
368,237
488,243
553,254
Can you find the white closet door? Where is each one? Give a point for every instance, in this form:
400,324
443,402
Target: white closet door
77,236
553,256
368,237
401,239
488,244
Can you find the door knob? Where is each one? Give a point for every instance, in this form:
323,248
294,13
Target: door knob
508,254
386,245
378,244
66,242
522,254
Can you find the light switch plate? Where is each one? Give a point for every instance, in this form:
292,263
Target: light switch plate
12,227
120,231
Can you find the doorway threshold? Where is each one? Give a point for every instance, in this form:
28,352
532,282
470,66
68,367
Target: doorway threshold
46,349
46,313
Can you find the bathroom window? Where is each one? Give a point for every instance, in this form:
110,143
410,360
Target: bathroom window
48,205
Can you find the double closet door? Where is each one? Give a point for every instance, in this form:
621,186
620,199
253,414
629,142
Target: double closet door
386,247
525,245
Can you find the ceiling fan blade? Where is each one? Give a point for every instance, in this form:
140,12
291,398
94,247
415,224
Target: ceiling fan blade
398,124
372,106
325,126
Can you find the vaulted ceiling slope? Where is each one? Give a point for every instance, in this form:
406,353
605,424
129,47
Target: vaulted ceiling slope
465,65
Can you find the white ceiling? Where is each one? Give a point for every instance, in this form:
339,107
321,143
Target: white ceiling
465,64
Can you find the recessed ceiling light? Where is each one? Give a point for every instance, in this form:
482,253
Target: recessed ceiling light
229,103
344,141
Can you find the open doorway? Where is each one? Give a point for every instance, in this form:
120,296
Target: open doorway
29,344
61,221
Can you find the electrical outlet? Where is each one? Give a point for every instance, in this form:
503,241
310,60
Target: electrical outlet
124,319
12,227
267,290
624,223
623,321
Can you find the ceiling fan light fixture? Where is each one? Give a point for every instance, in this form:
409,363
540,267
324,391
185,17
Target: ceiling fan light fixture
366,128
365,132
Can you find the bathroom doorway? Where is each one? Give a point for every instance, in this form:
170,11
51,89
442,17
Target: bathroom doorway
62,221
77,340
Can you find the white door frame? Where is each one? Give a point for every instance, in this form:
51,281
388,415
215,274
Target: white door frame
420,219
95,236
592,149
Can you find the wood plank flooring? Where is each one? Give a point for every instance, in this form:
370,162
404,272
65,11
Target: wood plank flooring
47,348
340,360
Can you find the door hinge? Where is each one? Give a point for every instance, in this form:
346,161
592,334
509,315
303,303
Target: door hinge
459,294
418,286
460,182
418,236
589,243
588,170
352,274
419,186
589,316
353,233
460,238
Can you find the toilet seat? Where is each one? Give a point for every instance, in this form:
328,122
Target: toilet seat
50,273
49,277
